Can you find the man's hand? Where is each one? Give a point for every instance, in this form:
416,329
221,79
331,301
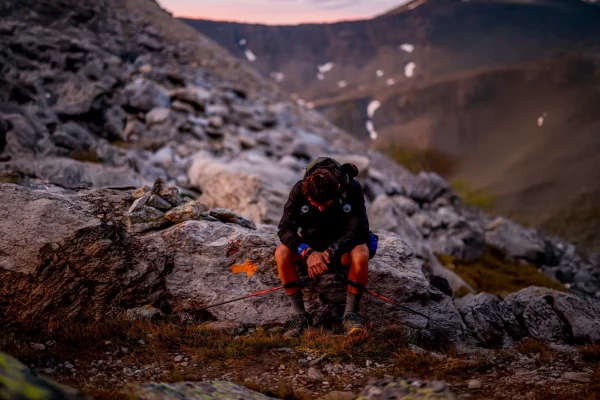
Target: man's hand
317,263
326,257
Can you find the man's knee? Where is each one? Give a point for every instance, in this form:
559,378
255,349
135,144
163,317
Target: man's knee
282,254
360,255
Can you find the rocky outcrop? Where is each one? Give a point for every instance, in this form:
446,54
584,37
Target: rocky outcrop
430,217
544,314
96,112
517,242
390,214
97,268
250,184
85,117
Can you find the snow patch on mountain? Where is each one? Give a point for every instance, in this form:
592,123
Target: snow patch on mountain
409,69
407,47
372,107
325,67
278,76
250,55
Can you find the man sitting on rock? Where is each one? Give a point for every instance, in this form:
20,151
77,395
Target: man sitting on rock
325,221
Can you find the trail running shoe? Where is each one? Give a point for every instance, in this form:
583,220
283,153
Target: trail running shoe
297,324
352,324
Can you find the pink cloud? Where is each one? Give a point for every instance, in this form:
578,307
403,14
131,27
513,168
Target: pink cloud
270,11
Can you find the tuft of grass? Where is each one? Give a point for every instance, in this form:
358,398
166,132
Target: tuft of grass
590,352
593,391
103,394
423,364
86,156
377,345
82,336
532,346
493,274
417,160
17,348
123,145
479,198
409,361
578,221
462,292
247,356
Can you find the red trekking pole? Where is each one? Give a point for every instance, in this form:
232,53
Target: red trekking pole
299,282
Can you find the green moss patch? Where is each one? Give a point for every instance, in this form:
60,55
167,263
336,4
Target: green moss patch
493,274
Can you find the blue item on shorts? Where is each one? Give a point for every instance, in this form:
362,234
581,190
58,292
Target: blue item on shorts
302,247
373,244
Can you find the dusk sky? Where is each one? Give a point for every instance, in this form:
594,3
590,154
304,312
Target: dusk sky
279,11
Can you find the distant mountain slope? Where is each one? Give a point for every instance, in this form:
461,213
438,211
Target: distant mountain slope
447,36
469,79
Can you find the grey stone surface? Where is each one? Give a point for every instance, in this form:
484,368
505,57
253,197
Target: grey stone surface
213,390
397,389
189,211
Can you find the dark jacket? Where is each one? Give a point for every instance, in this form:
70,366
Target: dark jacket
344,223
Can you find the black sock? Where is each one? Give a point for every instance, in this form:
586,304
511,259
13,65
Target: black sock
297,302
352,301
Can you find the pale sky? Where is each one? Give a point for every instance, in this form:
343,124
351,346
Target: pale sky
279,11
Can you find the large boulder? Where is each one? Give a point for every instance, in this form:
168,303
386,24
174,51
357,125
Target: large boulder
202,275
571,268
426,187
248,184
144,95
516,241
88,267
75,98
42,214
22,135
73,136
69,257
391,213
583,317
540,313
551,316
482,316
194,95
71,173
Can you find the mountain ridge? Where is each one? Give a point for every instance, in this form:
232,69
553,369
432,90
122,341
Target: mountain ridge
396,59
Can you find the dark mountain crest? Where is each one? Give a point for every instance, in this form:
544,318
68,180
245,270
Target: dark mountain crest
450,76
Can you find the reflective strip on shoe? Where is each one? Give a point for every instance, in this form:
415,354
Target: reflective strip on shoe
356,331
